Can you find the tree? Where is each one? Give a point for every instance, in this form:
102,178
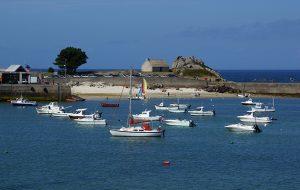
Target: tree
70,59
50,70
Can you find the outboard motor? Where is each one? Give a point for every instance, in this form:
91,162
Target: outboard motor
257,129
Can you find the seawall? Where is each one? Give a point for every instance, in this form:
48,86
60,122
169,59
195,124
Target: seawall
276,89
53,91
35,91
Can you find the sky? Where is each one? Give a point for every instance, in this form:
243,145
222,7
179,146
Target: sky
119,34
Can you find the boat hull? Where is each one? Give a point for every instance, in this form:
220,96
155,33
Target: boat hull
24,104
120,133
151,118
255,120
91,122
109,105
240,128
165,108
202,113
177,110
184,123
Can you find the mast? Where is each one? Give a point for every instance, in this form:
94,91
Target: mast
130,93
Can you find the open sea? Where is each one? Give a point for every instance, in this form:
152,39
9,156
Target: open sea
278,76
42,152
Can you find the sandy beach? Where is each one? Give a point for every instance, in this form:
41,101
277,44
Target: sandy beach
98,90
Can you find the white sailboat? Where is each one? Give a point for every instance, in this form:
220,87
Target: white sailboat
131,130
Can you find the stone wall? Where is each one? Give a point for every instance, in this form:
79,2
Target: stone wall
289,89
136,81
35,91
280,89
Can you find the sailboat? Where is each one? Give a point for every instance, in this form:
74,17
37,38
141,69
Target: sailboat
142,92
131,130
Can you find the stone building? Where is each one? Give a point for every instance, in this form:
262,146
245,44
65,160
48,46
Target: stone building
155,65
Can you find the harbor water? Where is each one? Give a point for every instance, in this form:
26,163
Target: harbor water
42,152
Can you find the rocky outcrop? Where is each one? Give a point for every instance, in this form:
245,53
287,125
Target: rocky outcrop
221,89
193,67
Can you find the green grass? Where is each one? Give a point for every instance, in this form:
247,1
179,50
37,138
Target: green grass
197,73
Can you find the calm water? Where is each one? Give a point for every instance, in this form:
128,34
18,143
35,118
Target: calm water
279,76
40,152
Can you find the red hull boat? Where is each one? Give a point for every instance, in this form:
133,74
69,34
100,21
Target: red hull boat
109,105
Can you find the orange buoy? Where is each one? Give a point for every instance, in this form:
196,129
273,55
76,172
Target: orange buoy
166,163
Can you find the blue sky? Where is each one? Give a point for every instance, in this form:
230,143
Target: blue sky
231,34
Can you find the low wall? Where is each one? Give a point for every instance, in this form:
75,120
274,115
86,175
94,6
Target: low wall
35,91
136,81
278,89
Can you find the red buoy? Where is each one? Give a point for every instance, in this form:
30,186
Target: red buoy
166,163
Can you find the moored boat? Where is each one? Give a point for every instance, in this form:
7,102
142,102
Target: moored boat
79,113
131,130
177,110
145,115
23,102
178,122
239,127
249,102
109,105
93,119
250,118
161,106
200,111
51,108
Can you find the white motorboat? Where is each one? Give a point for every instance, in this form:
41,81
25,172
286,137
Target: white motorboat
239,127
145,115
250,118
260,107
178,122
177,110
61,114
181,106
200,111
51,108
23,102
249,102
93,119
131,130
161,106
79,113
